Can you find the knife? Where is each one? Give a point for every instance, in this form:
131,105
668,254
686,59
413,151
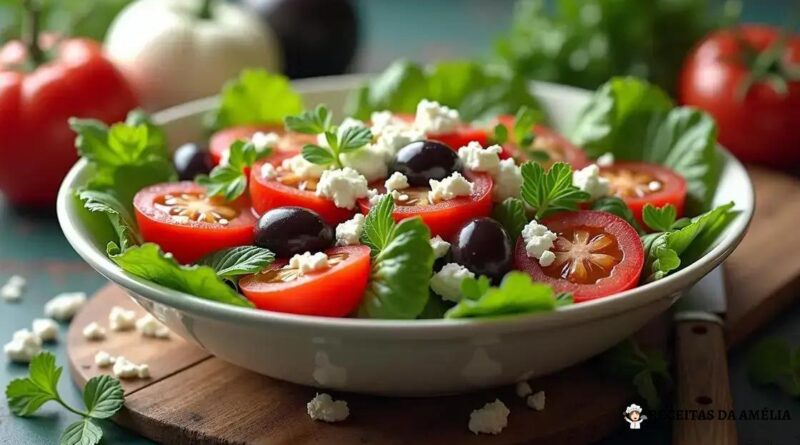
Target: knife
702,366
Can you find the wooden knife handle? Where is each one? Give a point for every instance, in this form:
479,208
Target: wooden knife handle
702,369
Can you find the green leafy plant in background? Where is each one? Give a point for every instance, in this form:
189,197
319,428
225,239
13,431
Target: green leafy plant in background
102,396
77,18
645,369
772,362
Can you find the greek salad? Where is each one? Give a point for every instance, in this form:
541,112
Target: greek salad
444,194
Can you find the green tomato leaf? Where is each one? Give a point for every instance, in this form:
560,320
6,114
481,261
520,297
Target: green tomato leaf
103,397
237,261
551,191
517,294
82,432
511,215
317,155
25,396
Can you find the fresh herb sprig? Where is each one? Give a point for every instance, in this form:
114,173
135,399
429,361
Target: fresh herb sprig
517,294
511,215
339,140
237,261
102,395
230,180
523,134
772,362
646,369
550,191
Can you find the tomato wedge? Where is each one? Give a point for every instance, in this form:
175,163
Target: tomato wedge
640,183
446,217
597,254
291,143
557,147
289,190
180,218
332,292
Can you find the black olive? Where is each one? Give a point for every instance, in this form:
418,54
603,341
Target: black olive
290,230
483,246
422,161
192,159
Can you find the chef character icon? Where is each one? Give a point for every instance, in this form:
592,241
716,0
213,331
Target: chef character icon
633,415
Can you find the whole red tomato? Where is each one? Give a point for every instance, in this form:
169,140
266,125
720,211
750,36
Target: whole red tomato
748,80
36,144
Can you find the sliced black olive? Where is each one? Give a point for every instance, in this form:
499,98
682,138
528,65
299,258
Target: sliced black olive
287,231
422,161
483,246
192,159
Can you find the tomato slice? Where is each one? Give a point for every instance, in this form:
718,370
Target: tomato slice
597,254
446,217
179,217
292,143
289,190
332,292
557,147
640,183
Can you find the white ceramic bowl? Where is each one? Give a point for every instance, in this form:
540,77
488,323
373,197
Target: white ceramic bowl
422,357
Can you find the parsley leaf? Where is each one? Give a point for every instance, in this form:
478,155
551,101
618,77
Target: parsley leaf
230,180
25,396
314,121
339,140
237,261
517,294
511,215
659,219
771,362
646,369
551,191
103,396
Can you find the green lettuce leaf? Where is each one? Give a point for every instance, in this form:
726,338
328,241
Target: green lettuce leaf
517,294
125,228
237,261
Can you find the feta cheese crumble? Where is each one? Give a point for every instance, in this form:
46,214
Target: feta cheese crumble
523,389
394,137
491,419
46,329
589,180
343,187
149,326
12,290
64,306
121,319
447,282
605,160
432,117
654,186
308,262
440,246
538,242
323,407
397,181
349,232
507,181
302,168
94,332
262,140
103,359
126,369
368,161
380,120
449,188
16,281
268,171
479,159
536,401
24,345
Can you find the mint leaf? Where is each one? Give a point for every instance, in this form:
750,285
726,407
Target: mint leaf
103,397
317,155
314,121
123,222
616,206
378,225
340,140
511,215
25,396
255,97
771,362
82,432
150,263
517,294
551,191
230,180
659,219
237,261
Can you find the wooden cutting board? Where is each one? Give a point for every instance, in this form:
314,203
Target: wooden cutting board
193,397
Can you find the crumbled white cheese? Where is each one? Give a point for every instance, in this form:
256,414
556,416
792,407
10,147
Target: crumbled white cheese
143,371
149,326
94,331
343,187
126,369
308,262
507,181
479,159
435,118
538,242
605,160
394,137
23,346
268,171
369,162
302,168
262,141
46,329
323,407
654,186
379,120
397,181
449,188
589,180
64,306
536,401
374,197
349,232
440,246
523,389
10,293
447,282
399,196
16,281
121,319
103,359
491,419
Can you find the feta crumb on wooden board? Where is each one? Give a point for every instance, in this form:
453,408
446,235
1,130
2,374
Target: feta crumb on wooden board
94,332
523,389
447,282
126,369
103,359
149,326
64,306
491,419
536,401
121,319
323,407
46,329
24,345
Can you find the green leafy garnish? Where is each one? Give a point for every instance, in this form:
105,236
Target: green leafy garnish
616,206
511,215
646,369
102,395
238,261
256,97
475,90
517,294
314,121
551,191
121,220
772,362
523,127
661,219
402,264
340,140
230,180
636,121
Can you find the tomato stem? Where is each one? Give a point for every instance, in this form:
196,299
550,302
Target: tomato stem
30,33
205,12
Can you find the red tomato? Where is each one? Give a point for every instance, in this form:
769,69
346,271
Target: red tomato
332,292
557,147
597,254
446,217
179,217
291,143
640,183
37,147
461,136
764,125
289,190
